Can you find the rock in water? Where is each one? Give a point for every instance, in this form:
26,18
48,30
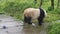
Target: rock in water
4,27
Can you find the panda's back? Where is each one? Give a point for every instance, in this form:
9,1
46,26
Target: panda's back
32,12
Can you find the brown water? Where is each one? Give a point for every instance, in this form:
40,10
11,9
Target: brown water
14,26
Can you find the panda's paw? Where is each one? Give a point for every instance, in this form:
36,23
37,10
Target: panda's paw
40,24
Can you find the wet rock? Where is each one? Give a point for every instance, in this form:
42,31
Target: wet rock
4,27
6,31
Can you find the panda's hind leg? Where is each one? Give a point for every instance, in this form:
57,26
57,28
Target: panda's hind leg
27,20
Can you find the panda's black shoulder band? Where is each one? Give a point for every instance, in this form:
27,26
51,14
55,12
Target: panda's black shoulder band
42,13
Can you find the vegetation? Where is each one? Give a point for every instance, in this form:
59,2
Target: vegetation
54,28
15,8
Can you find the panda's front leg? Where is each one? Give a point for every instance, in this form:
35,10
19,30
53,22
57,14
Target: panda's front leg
40,20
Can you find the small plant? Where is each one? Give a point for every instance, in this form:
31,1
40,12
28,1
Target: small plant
50,8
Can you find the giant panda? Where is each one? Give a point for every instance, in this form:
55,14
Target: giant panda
34,13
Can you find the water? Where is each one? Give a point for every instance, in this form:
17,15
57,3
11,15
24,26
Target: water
12,26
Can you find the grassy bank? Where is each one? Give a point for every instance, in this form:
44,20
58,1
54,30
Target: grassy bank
54,28
15,8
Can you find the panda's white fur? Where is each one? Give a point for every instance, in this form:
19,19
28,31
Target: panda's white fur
34,13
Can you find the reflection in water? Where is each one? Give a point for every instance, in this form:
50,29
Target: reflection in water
16,27
29,29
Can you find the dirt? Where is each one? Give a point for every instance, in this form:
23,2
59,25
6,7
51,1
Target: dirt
9,25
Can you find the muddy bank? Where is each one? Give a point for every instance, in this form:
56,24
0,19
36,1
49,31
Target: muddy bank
14,26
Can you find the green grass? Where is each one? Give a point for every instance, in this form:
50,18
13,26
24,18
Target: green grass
54,28
16,8
52,16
